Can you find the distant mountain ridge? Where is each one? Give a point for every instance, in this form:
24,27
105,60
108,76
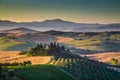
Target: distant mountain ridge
20,31
61,25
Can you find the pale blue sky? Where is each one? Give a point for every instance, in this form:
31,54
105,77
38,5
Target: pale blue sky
83,11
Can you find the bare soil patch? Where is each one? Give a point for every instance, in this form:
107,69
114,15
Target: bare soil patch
64,39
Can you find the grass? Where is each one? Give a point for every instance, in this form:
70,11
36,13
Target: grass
40,72
87,44
117,37
14,46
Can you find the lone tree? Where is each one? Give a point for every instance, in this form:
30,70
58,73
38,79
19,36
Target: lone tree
114,61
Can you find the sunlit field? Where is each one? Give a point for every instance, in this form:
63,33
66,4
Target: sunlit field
13,56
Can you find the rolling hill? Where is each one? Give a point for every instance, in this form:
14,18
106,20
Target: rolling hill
40,72
96,41
8,45
33,38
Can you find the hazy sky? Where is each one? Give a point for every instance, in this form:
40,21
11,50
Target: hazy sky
82,11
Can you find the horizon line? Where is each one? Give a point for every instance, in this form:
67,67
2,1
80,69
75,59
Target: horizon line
57,19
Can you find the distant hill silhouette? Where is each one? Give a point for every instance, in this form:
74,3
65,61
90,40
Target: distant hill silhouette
61,25
20,31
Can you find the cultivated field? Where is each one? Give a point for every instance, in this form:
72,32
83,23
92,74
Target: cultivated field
40,72
85,69
64,39
95,45
13,56
104,57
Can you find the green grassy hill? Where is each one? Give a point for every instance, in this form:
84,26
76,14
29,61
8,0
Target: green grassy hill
6,44
40,72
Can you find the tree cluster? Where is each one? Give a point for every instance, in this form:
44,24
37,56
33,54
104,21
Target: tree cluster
52,49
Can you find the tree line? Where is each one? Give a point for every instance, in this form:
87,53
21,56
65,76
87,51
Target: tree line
24,63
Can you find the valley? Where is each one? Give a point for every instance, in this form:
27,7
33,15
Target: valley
59,39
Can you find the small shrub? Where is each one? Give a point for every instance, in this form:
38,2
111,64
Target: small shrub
114,61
